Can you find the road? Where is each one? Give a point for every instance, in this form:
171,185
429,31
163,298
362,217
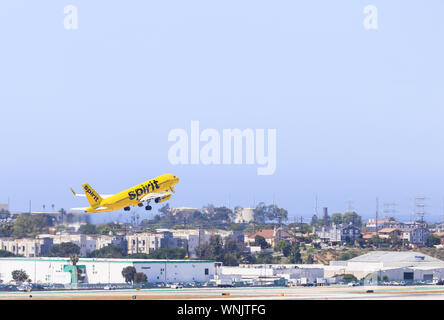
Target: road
253,293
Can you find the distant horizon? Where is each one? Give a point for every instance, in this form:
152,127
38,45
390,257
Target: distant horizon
354,108
122,216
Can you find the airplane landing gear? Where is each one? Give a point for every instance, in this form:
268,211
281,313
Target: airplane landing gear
148,207
140,204
127,208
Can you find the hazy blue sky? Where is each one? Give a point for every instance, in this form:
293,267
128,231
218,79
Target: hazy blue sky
359,113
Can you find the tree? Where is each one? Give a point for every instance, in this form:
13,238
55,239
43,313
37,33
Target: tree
353,218
295,255
264,258
434,240
164,209
74,259
64,249
4,254
309,259
129,273
229,253
336,218
260,241
230,259
27,225
6,230
110,251
140,277
211,250
295,230
284,247
273,212
168,253
139,256
19,275
395,240
260,213
375,240
88,229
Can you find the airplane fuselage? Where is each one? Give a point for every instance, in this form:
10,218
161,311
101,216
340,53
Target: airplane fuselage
133,196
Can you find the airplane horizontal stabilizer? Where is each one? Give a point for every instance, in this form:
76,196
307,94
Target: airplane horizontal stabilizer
77,194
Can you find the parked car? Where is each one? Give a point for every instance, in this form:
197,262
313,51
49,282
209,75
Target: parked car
9,287
24,287
353,284
176,286
110,287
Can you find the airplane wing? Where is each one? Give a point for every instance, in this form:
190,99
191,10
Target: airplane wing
101,208
84,195
84,209
151,196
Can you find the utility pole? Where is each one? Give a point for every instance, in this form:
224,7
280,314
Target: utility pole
316,205
389,210
377,213
349,207
442,225
419,210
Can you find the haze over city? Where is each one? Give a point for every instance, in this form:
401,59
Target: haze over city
357,112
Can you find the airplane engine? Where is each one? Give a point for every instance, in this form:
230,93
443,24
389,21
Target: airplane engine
163,199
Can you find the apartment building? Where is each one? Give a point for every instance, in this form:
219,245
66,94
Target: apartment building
338,233
143,242
26,247
86,243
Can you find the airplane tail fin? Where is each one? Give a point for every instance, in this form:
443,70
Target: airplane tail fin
93,197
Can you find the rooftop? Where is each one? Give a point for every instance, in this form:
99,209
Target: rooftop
393,256
99,260
266,233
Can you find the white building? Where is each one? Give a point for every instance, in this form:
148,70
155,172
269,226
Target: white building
418,236
398,266
338,233
193,237
244,215
27,247
107,271
143,242
259,273
85,242
104,241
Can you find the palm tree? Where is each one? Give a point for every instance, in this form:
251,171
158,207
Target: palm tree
74,259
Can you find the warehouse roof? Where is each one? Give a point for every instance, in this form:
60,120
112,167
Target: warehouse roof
98,260
393,256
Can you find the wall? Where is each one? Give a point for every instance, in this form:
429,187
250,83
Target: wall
107,270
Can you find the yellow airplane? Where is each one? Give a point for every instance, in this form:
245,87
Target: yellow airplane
158,189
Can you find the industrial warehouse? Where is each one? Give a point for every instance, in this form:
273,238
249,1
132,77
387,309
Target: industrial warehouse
407,267
376,266
106,271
